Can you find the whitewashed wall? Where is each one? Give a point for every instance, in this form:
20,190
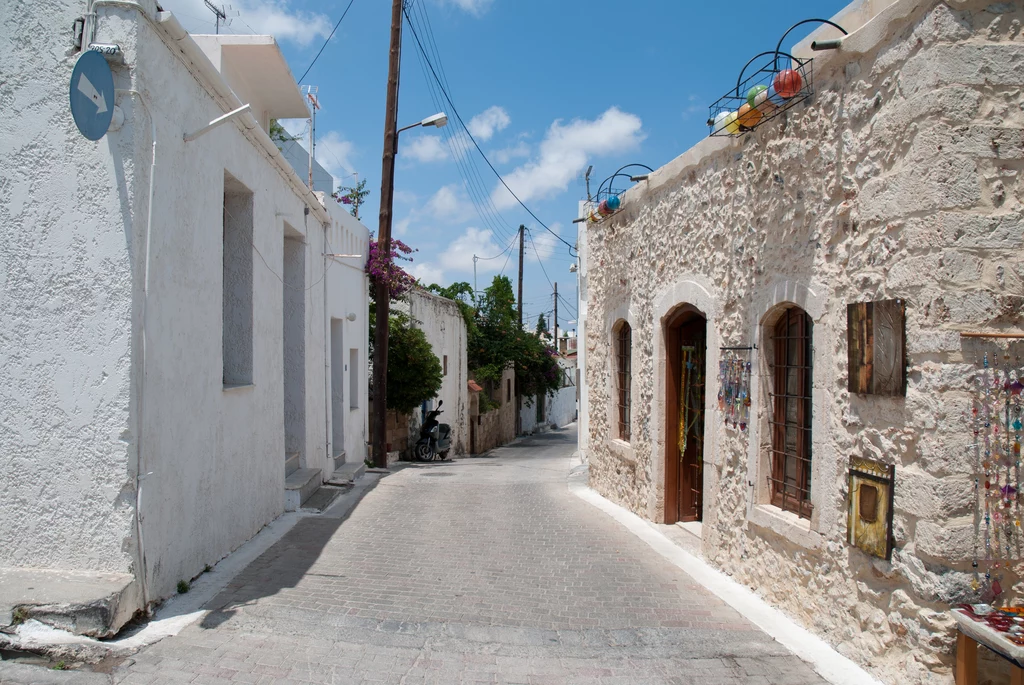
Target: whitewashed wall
348,294
73,215
67,393
441,321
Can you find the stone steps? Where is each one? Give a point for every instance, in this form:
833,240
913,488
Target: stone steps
298,486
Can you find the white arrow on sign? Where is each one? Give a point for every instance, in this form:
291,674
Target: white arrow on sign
86,88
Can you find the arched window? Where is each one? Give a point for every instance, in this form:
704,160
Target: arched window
624,376
790,418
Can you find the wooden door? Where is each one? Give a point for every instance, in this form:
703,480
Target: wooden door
692,353
686,348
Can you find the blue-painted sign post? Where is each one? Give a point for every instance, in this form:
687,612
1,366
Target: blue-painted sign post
92,95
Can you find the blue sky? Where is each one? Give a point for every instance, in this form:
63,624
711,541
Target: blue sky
547,87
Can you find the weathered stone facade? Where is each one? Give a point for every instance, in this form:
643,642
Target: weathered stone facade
900,179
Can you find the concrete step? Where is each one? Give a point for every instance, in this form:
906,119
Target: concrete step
324,497
346,473
291,463
92,604
298,486
339,459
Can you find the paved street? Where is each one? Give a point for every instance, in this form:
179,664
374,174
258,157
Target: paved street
483,570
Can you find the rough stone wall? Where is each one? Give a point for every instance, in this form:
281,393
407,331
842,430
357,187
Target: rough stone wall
498,426
902,179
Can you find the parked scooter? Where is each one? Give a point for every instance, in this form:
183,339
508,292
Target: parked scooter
435,438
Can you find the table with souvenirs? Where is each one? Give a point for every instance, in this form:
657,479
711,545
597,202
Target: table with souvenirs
1001,629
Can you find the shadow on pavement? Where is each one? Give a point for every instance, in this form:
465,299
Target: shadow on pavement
281,566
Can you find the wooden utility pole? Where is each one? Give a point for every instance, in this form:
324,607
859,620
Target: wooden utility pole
382,294
519,396
556,318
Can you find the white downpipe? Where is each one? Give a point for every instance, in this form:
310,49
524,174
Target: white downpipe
139,475
328,347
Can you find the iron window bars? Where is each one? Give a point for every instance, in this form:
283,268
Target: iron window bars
790,418
624,353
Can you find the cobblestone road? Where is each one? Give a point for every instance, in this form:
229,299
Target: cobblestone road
484,570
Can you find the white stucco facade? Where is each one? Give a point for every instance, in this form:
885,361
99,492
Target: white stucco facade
557,409
110,372
441,321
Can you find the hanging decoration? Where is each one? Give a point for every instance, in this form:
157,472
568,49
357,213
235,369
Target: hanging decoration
608,199
996,424
778,81
734,368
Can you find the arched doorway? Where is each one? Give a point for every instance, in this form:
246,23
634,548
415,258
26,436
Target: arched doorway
685,384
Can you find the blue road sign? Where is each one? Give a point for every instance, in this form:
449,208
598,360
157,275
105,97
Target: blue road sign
92,95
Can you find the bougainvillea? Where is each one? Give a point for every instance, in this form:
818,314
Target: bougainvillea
380,266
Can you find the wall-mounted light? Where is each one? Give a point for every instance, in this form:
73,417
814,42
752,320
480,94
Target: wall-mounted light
635,179
351,316
189,137
572,268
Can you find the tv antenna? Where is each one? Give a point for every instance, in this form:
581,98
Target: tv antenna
589,169
220,14
314,105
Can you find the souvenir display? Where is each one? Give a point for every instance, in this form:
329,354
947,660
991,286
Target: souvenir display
1009,621
734,389
996,422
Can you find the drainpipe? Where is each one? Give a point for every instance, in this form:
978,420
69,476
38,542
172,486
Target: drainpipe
328,398
139,445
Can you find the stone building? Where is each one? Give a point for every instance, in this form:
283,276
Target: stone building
178,337
898,183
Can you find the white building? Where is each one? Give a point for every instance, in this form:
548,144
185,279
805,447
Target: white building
163,308
442,324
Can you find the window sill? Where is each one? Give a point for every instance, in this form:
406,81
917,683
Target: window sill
231,387
787,524
621,450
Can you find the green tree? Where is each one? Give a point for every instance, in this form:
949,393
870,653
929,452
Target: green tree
542,324
499,342
414,371
352,196
278,134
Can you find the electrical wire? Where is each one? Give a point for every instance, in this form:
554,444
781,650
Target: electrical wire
545,271
458,147
327,41
458,117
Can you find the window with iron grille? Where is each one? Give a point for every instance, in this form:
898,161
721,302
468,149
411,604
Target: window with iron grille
624,353
790,418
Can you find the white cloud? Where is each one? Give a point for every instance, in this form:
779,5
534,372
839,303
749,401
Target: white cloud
401,227
506,155
474,7
274,17
564,153
474,241
484,125
334,152
450,202
424,149
427,273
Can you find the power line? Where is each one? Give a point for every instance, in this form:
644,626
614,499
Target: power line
457,145
458,117
326,41
540,261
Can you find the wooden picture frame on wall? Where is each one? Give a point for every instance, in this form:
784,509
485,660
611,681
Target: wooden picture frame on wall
877,348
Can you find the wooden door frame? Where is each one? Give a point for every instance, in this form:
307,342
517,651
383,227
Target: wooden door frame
671,333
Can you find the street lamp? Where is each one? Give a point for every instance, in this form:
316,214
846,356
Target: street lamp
382,295
440,120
